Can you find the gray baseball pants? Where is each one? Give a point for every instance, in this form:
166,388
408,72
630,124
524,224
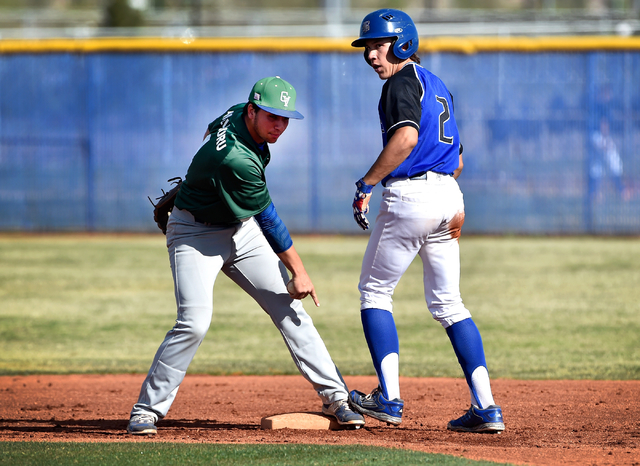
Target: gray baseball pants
197,253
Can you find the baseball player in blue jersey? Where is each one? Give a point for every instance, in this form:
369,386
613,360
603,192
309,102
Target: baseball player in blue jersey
422,213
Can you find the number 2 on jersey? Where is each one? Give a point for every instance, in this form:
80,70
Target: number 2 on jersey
444,117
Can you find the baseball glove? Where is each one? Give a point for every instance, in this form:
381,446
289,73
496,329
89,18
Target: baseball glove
164,204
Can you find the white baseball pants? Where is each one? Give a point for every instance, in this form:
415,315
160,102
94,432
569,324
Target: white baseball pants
417,217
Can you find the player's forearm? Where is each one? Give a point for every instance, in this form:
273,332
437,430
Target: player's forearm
274,229
395,152
292,261
300,286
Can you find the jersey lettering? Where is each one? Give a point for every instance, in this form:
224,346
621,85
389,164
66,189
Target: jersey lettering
221,141
444,117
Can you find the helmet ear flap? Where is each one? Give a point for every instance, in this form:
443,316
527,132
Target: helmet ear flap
404,50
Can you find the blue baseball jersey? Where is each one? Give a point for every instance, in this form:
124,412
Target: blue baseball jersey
416,97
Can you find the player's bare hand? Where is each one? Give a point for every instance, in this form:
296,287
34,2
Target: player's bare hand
300,288
361,203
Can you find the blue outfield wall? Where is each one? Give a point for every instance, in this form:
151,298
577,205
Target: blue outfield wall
86,137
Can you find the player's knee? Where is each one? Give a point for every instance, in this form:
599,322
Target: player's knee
449,315
193,329
375,300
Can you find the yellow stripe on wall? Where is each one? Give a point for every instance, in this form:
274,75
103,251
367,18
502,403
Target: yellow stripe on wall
464,45
158,44
471,45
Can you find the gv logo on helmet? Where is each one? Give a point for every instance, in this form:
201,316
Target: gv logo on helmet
366,25
285,98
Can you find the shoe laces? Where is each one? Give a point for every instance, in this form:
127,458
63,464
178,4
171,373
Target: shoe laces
342,404
334,406
374,393
143,418
468,415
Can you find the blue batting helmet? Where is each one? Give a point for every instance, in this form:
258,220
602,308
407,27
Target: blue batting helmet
392,24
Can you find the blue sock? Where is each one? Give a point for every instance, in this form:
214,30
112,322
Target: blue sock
382,339
467,343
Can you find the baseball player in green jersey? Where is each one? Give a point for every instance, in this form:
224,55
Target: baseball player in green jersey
224,220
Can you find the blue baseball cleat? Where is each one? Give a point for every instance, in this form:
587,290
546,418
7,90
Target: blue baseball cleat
377,406
343,413
488,420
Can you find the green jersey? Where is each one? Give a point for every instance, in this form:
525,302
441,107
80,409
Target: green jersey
225,182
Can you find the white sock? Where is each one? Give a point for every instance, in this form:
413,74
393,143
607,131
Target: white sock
482,387
390,374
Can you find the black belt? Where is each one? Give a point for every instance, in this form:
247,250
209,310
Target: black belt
417,176
209,224
199,220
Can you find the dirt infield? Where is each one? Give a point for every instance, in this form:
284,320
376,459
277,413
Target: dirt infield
548,422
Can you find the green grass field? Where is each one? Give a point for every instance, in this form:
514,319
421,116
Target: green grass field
548,308
154,454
